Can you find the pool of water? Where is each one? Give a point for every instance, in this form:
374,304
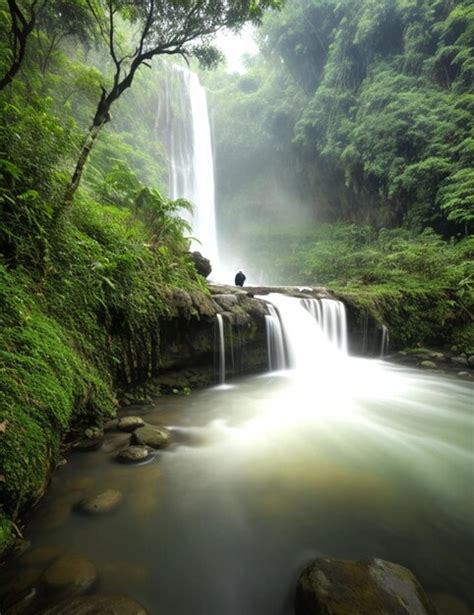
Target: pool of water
269,472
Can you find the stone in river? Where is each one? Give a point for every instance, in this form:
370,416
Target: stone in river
101,503
134,454
368,587
428,365
70,575
40,556
156,437
130,423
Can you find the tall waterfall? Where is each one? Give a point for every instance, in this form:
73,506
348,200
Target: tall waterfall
305,334
187,135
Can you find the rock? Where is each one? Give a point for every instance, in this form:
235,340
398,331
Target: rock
70,574
94,433
459,360
88,445
115,442
130,423
463,375
102,503
156,437
428,365
96,605
449,605
40,556
202,264
134,454
226,302
471,360
370,587
111,425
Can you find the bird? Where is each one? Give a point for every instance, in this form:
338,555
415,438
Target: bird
240,278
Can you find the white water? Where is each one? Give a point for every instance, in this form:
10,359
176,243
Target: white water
191,165
221,347
306,335
385,341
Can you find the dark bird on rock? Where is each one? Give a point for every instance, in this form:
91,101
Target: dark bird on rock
240,278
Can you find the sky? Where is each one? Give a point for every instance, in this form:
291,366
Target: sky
235,46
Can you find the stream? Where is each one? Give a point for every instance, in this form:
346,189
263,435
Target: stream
269,472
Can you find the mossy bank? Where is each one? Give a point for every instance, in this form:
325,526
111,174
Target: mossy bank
110,307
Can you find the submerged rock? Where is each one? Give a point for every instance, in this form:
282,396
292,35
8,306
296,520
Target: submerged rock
40,556
371,587
70,574
102,503
96,605
130,423
156,437
134,454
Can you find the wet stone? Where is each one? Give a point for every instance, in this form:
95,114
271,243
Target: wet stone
40,556
130,423
156,437
459,360
134,454
88,445
370,587
428,365
70,575
96,605
101,503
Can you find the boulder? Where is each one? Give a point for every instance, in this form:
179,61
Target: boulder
101,503
459,360
369,587
428,365
96,605
70,575
202,264
88,445
130,423
133,454
156,437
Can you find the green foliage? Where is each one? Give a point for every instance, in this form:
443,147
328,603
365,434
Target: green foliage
368,106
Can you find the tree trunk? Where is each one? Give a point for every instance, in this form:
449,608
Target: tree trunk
81,162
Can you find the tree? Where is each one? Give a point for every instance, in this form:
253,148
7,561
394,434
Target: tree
159,27
22,23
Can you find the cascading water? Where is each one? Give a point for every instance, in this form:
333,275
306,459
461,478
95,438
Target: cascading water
331,317
221,347
385,341
305,334
187,135
275,340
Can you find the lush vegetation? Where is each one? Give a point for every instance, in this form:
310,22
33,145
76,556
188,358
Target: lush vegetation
357,117
85,281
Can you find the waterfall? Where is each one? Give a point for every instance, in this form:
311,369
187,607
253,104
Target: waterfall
275,340
187,135
331,317
305,334
385,341
221,348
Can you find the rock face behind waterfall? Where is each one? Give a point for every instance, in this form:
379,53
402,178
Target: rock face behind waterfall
371,587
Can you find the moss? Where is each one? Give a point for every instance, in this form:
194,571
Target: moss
7,534
88,321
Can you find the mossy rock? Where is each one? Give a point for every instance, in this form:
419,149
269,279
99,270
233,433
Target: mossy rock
101,503
369,587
